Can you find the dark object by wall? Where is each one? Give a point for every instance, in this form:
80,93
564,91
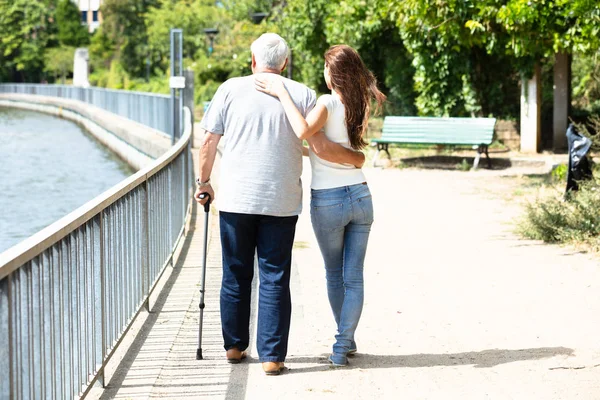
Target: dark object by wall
580,167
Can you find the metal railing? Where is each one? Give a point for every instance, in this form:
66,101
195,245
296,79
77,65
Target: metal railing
150,109
69,293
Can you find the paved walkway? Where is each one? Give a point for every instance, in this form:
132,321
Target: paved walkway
457,307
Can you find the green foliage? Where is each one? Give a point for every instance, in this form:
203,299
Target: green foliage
304,25
586,81
25,27
559,174
68,20
241,10
192,17
577,220
124,31
530,30
117,77
156,84
231,56
463,166
452,61
431,57
570,219
102,50
455,43
312,27
205,91
544,220
59,61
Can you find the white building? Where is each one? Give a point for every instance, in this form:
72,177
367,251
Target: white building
90,13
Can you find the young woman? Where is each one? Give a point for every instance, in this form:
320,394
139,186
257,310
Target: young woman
341,205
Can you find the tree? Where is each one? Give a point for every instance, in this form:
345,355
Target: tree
102,49
241,10
125,29
192,17
59,61
70,30
312,27
453,74
26,31
304,25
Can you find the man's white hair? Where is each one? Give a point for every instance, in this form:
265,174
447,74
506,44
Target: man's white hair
270,51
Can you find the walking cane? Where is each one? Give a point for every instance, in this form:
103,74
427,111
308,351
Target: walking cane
206,210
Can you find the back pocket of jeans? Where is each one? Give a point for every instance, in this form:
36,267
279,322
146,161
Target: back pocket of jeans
366,207
327,214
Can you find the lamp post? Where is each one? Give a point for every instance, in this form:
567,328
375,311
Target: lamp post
211,33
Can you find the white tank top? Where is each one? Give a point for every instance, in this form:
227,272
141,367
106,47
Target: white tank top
325,174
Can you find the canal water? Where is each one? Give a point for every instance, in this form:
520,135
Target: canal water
48,167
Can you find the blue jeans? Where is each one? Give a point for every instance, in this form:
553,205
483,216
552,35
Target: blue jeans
342,218
272,239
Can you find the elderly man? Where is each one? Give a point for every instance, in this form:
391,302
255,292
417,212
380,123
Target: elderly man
260,198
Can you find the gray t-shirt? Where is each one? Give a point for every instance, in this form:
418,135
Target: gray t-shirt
261,162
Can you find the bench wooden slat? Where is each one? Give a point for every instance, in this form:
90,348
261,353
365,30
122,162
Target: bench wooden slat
427,130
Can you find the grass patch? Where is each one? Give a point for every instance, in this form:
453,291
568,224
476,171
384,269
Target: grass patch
463,165
401,165
497,145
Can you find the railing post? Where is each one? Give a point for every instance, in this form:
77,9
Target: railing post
103,341
145,242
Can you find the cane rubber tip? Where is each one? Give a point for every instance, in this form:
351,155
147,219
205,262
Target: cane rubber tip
199,354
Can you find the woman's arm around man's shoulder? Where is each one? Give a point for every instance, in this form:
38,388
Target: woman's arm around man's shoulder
334,152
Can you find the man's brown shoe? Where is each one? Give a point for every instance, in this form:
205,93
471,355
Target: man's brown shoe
272,368
235,356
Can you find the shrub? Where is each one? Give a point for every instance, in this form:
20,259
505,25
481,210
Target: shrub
574,218
555,220
560,173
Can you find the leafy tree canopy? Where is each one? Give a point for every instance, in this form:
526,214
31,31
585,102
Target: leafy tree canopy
70,30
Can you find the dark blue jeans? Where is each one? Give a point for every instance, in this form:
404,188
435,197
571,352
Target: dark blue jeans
272,239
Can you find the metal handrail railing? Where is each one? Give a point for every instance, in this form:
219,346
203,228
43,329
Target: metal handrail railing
150,109
69,293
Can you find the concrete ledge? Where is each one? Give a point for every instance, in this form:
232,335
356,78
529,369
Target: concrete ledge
135,143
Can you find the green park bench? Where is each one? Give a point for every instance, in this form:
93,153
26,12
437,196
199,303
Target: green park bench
476,132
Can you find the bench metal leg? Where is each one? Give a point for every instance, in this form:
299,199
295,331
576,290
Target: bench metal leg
489,160
385,148
376,158
381,147
477,157
482,149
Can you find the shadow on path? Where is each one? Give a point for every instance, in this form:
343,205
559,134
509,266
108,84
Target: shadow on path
479,359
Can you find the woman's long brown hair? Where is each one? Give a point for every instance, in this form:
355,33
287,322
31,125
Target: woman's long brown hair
357,86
